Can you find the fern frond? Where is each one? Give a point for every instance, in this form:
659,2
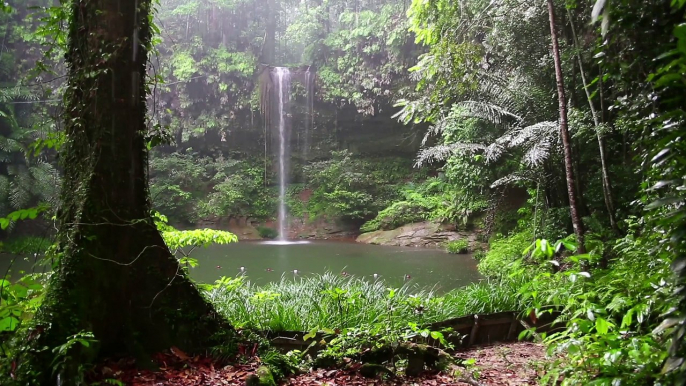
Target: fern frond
47,182
443,152
535,133
487,111
20,187
513,178
9,145
537,154
16,93
494,151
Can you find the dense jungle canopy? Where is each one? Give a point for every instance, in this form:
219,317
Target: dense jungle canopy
539,139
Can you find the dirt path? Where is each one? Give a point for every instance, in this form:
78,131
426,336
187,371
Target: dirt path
500,365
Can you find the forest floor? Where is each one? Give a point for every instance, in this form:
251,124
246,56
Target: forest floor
499,365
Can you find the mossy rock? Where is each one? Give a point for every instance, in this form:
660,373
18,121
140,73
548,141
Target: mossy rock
263,377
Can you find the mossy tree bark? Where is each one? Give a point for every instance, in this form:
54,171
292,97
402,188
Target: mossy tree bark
115,276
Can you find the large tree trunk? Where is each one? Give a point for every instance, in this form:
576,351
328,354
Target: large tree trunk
115,278
564,133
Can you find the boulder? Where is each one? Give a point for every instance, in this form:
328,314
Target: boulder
425,234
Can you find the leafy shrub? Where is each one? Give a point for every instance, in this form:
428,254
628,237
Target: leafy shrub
354,189
611,316
458,246
187,186
396,215
558,223
433,199
267,233
479,255
503,252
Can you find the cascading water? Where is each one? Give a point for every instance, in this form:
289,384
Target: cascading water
283,77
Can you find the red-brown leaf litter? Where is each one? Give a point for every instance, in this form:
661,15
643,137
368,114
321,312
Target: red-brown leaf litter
498,365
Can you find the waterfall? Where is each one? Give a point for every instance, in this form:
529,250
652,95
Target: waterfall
283,77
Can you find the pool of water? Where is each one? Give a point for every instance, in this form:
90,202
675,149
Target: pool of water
265,262
268,262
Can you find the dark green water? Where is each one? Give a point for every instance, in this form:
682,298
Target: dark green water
264,263
426,267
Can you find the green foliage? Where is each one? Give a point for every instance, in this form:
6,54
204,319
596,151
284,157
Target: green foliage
396,215
458,247
22,214
433,199
353,189
176,240
26,245
610,314
479,254
188,186
267,233
70,354
28,179
19,301
503,252
332,301
185,242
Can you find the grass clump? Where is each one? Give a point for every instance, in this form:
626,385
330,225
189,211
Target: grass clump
458,247
479,254
333,301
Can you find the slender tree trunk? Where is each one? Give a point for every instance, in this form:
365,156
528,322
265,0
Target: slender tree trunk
605,175
269,49
564,133
115,278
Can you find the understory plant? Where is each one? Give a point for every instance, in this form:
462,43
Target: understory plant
611,331
335,301
267,232
458,246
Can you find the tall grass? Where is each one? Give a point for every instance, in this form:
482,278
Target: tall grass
335,302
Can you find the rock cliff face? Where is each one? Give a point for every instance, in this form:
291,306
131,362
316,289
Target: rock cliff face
424,234
246,229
